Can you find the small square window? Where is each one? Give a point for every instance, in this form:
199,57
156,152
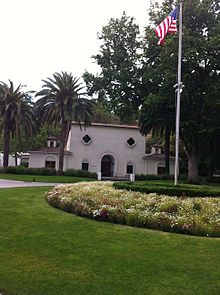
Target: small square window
130,169
161,170
50,164
85,166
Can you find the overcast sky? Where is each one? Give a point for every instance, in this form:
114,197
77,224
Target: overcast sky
40,37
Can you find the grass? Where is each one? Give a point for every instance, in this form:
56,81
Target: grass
44,178
47,251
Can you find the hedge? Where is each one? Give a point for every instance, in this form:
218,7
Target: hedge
46,171
169,189
28,171
80,173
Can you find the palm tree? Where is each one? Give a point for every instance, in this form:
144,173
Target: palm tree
17,115
156,116
61,102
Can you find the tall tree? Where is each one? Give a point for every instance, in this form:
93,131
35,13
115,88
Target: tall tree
156,117
61,102
200,73
101,113
157,113
201,63
119,61
17,116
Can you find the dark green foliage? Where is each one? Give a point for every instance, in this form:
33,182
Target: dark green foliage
102,114
200,105
169,189
17,116
153,177
118,84
47,171
28,171
80,173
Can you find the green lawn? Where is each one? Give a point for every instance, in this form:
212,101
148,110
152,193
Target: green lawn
44,178
47,251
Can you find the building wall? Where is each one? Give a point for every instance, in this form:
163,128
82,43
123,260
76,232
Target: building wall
37,160
151,166
11,160
107,140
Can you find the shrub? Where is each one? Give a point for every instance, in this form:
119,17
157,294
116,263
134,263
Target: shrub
24,164
80,173
41,171
14,169
28,171
100,201
169,189
153,177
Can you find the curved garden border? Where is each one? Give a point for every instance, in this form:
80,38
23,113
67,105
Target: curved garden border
100,201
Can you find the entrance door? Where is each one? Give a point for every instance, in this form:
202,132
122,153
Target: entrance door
107,166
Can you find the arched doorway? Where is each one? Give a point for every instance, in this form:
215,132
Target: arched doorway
107,166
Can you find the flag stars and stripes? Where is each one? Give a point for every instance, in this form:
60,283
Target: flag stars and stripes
168,25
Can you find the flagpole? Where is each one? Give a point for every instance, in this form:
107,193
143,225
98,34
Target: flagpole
179,90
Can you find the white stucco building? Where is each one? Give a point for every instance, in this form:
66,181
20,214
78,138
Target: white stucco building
11,160
113,150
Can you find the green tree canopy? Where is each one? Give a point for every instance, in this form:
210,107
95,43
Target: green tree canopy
17,115
119,60
200,74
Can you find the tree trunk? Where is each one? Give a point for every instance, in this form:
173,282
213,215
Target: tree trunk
211,160
193,176
167,150
6,146
62,147
16,159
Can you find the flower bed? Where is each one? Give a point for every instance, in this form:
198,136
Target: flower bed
100,201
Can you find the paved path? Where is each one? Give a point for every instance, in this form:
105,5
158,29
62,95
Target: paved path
6,183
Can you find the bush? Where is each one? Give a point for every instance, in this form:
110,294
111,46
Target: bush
169,189
24,164
80,173
14,170
47,171
153,177
41,171
28,171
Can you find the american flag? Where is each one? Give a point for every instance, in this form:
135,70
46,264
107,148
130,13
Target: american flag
168,25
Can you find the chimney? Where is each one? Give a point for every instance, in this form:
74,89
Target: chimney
156,149
51,141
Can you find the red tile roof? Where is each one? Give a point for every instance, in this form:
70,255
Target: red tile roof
49,150
110,125
156,156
